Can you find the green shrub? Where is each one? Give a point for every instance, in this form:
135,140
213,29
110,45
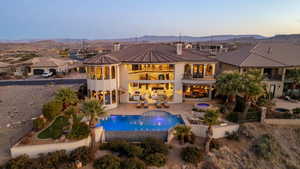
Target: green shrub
52,160
215,144
79,131
133,163
133,151
209,165
123,148
67,165
152,145
156,159
81,154
52,109
296,110
233,117
264,147
39,124
20,162
56,129
233,135
191,155
108,162
70,111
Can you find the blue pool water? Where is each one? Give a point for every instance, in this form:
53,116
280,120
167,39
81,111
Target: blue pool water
140,122
202,104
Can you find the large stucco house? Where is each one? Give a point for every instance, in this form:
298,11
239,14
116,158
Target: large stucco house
273,59
150,71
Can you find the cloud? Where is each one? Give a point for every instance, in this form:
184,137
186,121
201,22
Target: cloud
298,20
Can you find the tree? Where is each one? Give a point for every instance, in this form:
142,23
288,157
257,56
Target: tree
294,76
67,96
182,131
210,118
229,84
93,110
252,89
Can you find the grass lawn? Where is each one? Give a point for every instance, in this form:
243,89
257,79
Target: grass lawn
56,129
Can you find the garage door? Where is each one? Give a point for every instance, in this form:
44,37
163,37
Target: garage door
38,71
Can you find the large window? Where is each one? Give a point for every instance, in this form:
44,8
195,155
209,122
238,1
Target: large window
113,72
151,71
209,70
195,91
99,73
198,71
107,97
114,97
151,91
106,72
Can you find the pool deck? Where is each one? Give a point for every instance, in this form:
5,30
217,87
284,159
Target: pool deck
130,109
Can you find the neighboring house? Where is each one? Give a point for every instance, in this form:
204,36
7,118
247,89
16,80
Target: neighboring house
5,67
150,71
212,47
39,65
274,60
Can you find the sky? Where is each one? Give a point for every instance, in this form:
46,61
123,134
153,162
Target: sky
105,19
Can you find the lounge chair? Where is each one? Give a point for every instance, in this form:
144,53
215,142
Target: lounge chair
139,105
158,104
165,104
146,104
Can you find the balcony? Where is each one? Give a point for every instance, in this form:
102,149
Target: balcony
274,77
198,79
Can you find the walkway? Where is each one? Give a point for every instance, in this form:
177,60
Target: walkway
42,82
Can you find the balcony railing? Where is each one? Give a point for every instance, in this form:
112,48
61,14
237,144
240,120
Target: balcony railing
273,77
197,77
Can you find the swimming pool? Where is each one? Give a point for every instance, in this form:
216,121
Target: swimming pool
140,122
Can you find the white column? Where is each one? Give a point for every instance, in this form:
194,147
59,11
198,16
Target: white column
204,70
210,92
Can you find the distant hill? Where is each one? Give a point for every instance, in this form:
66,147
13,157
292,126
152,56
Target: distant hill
153,38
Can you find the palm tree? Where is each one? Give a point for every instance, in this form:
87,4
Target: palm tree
182,131
252,89
93,110
229,84
67,96
210,118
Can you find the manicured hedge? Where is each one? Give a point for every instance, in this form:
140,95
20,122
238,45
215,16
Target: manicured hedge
56,129
79,131
108,162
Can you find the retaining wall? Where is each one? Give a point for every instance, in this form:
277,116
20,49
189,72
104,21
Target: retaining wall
283,121
135,136
34,150
218,131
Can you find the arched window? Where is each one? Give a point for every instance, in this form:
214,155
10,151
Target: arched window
209,70
113,72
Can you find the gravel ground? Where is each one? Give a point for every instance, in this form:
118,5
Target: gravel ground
18,105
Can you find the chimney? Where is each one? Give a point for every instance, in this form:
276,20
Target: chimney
117,47
179,48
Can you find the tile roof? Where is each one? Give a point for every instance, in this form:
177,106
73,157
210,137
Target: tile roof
47,62
159,53
264,54
101,60
4,65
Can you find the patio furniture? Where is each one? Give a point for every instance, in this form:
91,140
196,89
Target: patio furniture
146,105
165,104
139,105
158,104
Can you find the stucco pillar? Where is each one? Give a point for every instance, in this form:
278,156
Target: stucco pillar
210,92
283,74
263,114
204,69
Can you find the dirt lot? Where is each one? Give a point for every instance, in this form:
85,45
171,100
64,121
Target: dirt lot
18,105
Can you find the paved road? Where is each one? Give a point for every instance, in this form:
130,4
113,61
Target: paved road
41,82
